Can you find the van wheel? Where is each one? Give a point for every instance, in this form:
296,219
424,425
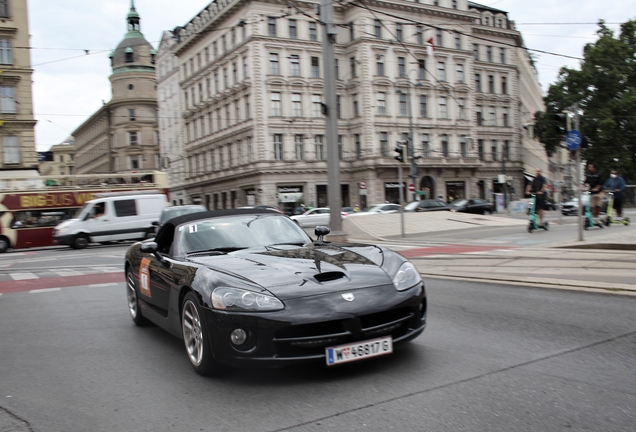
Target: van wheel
4,244
80,241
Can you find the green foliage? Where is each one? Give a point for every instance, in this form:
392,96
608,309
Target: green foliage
605,90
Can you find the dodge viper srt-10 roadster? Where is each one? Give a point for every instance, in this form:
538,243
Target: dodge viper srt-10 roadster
248,287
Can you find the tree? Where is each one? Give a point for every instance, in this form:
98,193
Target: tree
605,90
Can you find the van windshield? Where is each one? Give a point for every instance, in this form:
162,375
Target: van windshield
81,212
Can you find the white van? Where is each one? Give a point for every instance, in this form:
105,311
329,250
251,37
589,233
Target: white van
113,218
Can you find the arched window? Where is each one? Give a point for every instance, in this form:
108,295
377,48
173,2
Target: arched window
129,55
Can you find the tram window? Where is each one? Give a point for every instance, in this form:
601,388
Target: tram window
40,218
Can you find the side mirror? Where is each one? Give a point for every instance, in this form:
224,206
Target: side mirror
320,232
153,248
155,223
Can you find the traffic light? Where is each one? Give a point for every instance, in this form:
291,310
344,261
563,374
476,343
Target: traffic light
400,153
561,126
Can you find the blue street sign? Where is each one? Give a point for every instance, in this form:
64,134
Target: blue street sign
573,139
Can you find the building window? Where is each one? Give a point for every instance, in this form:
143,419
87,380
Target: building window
132,138
352,34
444,139
320,148
460,73
463,147
399,32
476,51
358,145
131,115
494,150
352,62
401,67
478,82
129,56
246,71
489,53
133,162
247,108
313,34
491,83
423,106
338,107
480,119
506,150
377,28
225,82
443,113
502,55
426,146
316,106
8,105
458,41
295,65
300,147
276,106
493,116
402,105
421,73
340,147
384,143
381,103
4,8
438,34
234,73
297,106
356,111
480,149
504,85
315,67
419,34
278,147
273,64
10,150
380,65
271,26
454,4
293,34
6,54
505,117
337,66
441,71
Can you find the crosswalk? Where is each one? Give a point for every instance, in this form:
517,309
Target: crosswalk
56,272
53,280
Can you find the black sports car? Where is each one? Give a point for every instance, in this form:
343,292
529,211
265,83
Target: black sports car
249,287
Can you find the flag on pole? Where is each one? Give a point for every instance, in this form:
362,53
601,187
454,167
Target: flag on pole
430,47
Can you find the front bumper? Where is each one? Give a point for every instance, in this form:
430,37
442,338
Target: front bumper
63,240
307,326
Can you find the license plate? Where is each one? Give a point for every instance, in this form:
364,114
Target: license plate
359,350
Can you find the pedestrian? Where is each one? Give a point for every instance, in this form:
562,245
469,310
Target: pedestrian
616,185
538,188
594,182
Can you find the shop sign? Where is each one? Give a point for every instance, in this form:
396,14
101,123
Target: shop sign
290,197
394,185
455,183
289,189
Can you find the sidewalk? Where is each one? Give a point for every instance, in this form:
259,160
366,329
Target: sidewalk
607,265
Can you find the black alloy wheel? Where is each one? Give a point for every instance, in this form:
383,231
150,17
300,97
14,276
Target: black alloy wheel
196,337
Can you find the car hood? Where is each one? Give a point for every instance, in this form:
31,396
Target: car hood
303,271
66,223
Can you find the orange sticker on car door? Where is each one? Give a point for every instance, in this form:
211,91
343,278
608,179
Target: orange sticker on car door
144,277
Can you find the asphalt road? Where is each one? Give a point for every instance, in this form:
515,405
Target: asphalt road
493,358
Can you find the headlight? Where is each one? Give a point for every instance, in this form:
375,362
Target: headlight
236,299
61,230
406,277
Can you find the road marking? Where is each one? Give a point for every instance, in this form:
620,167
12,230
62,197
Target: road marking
103,285
107,269
10,286
65,272
23,276
45,290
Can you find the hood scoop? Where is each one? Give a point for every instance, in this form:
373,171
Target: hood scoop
329,276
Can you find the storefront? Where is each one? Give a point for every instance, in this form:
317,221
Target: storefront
250,197
455,190
392,192
289,197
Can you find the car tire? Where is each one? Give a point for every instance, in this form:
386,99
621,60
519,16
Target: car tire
133,300
486,212
80,241
196,336
4,244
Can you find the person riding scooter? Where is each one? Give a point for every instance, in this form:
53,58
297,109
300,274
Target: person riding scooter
538,187
594,181
616,185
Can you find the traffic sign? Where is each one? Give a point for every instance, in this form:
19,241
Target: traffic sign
411,187
573,139
362,184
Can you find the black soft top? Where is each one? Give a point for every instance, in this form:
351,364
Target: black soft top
219,213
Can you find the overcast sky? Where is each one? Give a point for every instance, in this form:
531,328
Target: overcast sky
69,85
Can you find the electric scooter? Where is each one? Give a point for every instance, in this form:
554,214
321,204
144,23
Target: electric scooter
533,225
610,219
587,216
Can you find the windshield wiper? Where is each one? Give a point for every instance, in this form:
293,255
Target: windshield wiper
219,251
287,243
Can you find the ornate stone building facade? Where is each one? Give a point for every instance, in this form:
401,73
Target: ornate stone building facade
17,136
444,72
122,135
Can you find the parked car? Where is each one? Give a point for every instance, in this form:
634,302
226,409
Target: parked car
471,205
571,207
313,217
174,211
426,205
248,287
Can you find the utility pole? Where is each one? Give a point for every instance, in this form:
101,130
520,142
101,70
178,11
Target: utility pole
578,173
331,122
411,149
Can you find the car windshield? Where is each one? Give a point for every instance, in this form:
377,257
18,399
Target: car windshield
412,205
236,232
377,208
